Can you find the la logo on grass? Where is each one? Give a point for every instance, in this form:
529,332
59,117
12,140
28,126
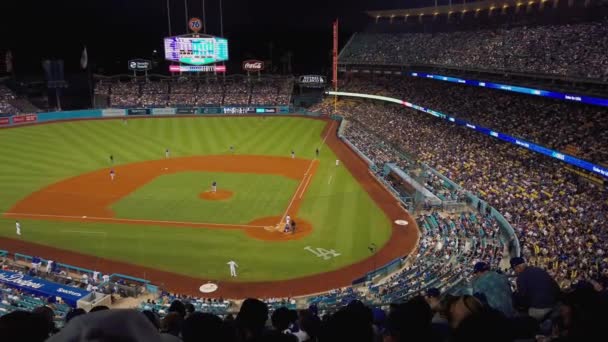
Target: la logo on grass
326,254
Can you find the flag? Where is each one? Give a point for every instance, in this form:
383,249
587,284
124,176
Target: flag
84,59
9,61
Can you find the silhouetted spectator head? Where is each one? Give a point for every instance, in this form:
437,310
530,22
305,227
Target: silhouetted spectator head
281,318
74,313
309,323
480,268
433,298
486,324
410,321
252,318
99,308
201,326
179,307
48,315
518,264
172,324
23,326
348,324
189,309
109,325
153,318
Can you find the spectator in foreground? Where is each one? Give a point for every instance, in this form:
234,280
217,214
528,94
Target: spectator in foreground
536,289
201,326
172,324
49,316
23,326
251,319
495,287
351,323
487,324
73,314
410,321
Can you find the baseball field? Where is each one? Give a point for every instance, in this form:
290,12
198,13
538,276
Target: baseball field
159,219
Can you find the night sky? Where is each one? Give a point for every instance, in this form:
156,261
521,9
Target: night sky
117,30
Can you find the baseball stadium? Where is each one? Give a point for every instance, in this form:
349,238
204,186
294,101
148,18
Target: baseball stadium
429,172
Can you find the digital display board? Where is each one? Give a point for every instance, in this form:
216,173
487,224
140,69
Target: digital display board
196,50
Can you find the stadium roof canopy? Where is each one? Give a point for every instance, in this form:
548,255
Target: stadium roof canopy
487,5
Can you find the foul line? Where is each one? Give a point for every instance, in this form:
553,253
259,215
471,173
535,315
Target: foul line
125,220
305,186
305,175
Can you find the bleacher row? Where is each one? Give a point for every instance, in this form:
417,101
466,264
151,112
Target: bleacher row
232,91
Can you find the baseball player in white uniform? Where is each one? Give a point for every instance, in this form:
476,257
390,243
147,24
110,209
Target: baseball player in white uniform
167,153
18,226
95,275
233,265
112,175
337,162
49,266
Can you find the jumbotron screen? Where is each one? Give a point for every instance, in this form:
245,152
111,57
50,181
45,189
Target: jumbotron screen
196,50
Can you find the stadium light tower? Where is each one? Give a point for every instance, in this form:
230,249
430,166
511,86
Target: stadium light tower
169,18
186,13
221,19
204,17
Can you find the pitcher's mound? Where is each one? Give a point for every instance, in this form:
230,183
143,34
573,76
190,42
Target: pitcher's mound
219,195
271,231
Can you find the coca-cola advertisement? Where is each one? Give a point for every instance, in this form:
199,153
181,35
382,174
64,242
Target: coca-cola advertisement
253,65
25,118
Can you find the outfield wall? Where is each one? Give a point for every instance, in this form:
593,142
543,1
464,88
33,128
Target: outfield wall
35,118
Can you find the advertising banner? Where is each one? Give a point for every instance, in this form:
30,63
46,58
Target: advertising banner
138,111
5,121
265,110
112,112
42,287
209,110
27,118
253,65
185,110
163,111
139,64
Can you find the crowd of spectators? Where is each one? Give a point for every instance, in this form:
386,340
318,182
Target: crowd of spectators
576,50
233,91
492,313
569,127
558,216
6,96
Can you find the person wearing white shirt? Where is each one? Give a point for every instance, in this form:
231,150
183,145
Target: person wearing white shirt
106,278
49,266
233,265
95,275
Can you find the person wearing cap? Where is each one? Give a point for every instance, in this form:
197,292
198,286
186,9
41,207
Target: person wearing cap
494,287
536,289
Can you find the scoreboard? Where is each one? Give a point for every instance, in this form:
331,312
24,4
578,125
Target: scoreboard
196,50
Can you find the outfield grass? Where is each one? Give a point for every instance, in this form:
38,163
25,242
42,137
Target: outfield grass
344,217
